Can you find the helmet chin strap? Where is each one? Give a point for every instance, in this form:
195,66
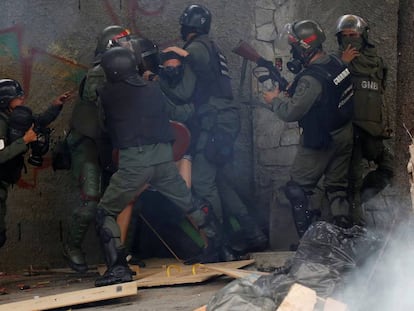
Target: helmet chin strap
306,58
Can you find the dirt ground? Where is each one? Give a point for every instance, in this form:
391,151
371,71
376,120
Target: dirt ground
18,287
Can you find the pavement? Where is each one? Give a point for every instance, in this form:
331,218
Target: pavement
26,285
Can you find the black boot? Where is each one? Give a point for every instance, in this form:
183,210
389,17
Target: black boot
342,221
254,237
203,216
115,255
118,271
374,183
227,253
78,227
75,258
114,275
209,254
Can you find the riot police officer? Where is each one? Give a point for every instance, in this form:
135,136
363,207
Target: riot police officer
320,98
90,149
369,78
16,118
216,121
138,124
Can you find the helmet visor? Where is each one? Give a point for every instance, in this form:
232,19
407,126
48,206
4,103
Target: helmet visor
351,22
124,34
123,39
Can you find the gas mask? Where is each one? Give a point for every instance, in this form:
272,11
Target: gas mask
296,63
172,75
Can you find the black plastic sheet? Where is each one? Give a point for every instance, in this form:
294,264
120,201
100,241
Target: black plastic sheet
326,253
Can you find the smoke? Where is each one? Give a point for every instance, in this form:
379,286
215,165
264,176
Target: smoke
386,280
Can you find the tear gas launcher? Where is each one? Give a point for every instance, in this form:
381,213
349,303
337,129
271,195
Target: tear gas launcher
246,51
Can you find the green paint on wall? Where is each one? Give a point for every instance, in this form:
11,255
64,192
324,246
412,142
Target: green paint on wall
9,45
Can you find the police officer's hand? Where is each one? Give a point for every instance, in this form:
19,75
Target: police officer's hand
270,95
61,99
176,50
349,54
29,136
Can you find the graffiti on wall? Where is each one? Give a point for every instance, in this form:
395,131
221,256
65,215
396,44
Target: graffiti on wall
135,8
20,62
40,70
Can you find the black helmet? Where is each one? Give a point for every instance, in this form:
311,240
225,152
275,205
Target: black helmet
306,38
306,35
109,38
146,54
119,64
355,23
352,22
195,18
9,89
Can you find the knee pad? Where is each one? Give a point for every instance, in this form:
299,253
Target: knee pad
109,247
302,216
296,196
86,210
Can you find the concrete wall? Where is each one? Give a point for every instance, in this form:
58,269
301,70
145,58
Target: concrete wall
49,44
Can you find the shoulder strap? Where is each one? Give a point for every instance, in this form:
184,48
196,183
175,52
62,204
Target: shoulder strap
321,72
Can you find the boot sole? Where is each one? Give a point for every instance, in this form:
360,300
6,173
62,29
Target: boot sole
112,281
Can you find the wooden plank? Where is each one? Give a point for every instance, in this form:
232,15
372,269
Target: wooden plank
299,298
334,305
234,273
153,266
73,298
203,308
185,274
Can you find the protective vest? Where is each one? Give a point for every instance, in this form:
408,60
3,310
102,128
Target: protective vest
85,112
334,107
135,115
11,170
213,79
368,89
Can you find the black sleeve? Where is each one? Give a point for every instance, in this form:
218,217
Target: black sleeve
49,115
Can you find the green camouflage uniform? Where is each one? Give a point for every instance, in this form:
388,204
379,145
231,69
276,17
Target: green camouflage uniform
83,143
368,76
310,165
16,148
217,112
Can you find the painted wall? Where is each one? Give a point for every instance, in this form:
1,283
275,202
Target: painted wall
48,45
